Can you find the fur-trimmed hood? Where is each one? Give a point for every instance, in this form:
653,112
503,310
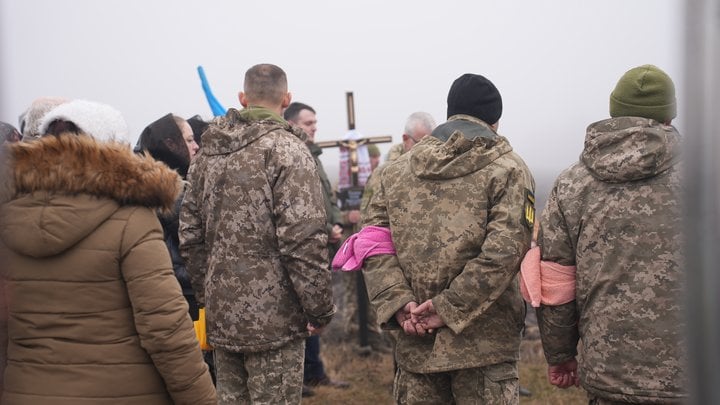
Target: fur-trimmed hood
62,188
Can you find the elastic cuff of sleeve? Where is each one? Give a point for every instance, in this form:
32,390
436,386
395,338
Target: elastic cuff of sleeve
558,358
392,324
444,311
324,319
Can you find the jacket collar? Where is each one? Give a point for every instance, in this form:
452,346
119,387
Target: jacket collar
78,164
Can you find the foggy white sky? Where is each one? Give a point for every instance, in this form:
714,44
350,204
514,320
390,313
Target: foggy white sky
555,62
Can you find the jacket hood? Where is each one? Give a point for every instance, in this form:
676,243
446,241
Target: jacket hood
62,188
459,156
164,140
629,148
239,128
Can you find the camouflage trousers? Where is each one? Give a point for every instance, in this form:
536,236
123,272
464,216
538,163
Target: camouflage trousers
596,400
593,400
493,385
269,377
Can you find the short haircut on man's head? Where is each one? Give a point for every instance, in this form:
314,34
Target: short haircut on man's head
293,110
265,82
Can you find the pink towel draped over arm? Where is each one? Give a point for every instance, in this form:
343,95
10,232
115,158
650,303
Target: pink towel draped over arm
544,282
370,241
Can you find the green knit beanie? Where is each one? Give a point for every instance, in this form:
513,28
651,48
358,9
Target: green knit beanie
373,150
644,91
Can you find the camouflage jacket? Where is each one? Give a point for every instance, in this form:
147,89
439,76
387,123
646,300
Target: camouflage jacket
456,212
369,190
395,152
252,233
615,215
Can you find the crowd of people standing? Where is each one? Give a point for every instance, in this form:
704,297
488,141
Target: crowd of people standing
109,254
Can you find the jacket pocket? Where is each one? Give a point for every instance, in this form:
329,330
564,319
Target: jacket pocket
501,384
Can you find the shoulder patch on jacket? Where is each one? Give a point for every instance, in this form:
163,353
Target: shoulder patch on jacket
529,209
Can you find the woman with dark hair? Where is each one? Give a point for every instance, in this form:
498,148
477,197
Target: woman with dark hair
171,140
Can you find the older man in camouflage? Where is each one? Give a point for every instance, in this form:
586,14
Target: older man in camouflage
615,216
254,240
459,206
417,126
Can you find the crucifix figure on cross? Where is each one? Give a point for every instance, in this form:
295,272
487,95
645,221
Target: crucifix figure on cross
352,176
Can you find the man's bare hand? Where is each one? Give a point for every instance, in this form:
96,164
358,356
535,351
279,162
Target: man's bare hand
353,216
335,234
404,318
564,375
314,330
425,316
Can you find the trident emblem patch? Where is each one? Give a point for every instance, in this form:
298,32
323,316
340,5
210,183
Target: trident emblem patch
529,209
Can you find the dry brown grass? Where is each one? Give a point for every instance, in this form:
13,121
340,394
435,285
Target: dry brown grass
533,376
372,377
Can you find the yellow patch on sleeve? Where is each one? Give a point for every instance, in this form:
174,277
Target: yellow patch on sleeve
529,209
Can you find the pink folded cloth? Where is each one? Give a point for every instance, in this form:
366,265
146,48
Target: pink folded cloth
370,241
544,282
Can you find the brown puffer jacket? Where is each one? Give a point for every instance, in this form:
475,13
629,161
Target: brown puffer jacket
91,311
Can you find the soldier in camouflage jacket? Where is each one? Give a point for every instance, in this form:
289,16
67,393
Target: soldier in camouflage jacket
615,215
455,205
254,239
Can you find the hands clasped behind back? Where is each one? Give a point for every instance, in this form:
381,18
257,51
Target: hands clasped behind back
419,320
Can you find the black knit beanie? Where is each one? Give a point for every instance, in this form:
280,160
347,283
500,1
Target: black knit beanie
474,95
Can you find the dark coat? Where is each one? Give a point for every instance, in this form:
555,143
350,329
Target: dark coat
164,141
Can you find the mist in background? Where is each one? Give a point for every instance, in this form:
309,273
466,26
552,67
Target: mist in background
555,63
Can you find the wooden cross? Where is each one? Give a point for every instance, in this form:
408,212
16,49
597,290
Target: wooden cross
350,198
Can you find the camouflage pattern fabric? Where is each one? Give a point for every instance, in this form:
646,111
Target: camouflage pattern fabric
457,212
350,307
616,215
254,217
595,400
377,339
497,385
370,186
395,152
349,282
351,325
271,377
